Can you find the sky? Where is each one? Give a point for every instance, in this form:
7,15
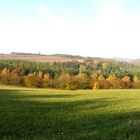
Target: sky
98,28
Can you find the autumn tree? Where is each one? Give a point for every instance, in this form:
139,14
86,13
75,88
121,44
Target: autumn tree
136,82
104,65
72,82
82,69
61,81
104,84
83,81
5,76
127,82
94,75
115,82
46,80
33,80
96,85
16,78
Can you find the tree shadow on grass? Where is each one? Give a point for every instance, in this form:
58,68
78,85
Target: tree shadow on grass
16,94
73,120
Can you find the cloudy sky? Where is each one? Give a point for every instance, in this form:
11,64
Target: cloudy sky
102,28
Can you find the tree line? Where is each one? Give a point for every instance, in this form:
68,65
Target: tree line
70,75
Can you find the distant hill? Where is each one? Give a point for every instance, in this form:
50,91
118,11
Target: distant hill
40,57
130,61
49,58
124,59
136,61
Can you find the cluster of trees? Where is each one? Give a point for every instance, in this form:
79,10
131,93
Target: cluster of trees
70,75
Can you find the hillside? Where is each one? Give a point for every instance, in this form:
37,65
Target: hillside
136,61
77,73
37,57
49,58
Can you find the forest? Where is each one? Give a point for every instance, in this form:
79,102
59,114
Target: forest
74,75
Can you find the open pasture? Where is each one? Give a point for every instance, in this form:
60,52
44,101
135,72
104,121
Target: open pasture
38,114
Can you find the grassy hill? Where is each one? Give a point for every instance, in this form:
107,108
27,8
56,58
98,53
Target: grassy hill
49,58
62,58
69,115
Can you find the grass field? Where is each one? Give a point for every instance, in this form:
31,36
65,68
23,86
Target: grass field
29,114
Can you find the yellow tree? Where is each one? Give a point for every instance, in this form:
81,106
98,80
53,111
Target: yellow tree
96,85
82,69
83,81
115,82
104,84
104,65
94,79
136,82
127,82
33,80
62,80
40,74
94,75
46,80
16,78
5,76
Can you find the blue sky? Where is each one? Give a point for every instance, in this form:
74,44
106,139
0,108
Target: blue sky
79,7
20,8
103,28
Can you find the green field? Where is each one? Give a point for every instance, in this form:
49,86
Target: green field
29,114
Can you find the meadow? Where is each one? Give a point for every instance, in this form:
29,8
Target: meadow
41,114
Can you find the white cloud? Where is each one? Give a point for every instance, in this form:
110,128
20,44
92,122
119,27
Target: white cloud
67,13
102,2
43,9
47,13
